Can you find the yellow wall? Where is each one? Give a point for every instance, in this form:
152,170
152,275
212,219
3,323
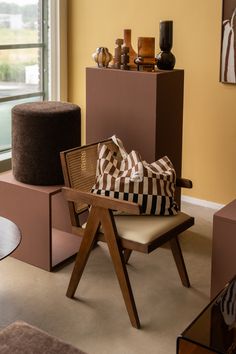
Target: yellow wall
209,141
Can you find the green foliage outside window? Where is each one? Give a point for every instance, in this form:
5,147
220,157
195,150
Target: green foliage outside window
12,72
28,12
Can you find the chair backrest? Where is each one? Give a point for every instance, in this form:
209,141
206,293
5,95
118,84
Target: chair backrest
79,169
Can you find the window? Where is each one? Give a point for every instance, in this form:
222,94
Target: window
24,58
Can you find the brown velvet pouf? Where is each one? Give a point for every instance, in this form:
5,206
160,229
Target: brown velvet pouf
22,338
40,130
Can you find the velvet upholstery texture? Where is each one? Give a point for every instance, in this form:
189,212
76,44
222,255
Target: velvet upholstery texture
22,338
40,130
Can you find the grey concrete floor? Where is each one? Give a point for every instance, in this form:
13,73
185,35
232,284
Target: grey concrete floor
96,320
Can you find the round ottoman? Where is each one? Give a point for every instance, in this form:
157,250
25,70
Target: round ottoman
40,130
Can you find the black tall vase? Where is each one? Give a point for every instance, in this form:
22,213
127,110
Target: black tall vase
165,59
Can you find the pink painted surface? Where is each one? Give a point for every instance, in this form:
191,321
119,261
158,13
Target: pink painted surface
64,245
223,247
36,209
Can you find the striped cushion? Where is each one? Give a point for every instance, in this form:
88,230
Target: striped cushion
129,178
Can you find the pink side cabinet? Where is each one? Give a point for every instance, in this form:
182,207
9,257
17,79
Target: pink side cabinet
223,247
43,217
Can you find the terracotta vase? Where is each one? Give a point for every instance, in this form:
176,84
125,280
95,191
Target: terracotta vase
166,59
127,43
102,57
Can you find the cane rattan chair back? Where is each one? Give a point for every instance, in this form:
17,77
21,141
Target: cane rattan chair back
79,171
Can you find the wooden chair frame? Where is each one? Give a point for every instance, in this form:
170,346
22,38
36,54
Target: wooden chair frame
79,196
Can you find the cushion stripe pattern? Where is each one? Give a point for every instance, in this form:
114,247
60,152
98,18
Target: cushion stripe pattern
129,178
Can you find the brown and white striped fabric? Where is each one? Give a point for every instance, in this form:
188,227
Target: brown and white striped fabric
150,185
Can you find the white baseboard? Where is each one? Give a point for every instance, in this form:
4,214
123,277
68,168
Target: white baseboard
201,202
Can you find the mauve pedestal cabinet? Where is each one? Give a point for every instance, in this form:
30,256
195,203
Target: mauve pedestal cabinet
144,109
42,215
223,247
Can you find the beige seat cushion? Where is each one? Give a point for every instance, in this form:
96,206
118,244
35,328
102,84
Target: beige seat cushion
146,228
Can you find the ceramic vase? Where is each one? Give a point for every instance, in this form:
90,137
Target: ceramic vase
102,57
166,59
127,43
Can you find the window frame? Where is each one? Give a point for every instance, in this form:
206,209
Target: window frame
43,44
56,71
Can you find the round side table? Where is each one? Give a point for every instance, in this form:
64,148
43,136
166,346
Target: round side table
10,237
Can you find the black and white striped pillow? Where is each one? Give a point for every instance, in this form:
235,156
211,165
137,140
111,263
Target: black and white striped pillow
150,185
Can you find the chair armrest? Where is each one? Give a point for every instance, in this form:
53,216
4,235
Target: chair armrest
184,183
74,195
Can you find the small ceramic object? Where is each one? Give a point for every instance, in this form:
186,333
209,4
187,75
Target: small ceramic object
166,59
127,43
125,58
102,57
117,56
146,54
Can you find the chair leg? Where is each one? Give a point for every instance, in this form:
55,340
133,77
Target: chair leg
127,254
110,233
86,246
179,261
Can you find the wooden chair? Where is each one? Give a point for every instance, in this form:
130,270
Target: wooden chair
122,233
